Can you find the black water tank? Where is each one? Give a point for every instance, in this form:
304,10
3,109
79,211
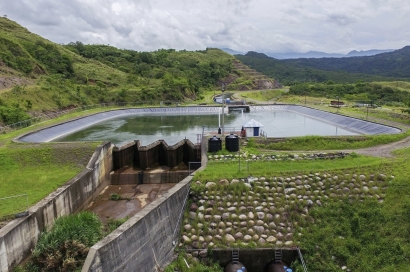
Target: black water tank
214,144
232,143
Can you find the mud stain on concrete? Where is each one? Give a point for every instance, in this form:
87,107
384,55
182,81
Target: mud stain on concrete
132,199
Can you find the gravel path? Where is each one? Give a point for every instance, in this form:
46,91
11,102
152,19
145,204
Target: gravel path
383,150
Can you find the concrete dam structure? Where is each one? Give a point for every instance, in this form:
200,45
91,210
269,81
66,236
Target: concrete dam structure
133,164
147,240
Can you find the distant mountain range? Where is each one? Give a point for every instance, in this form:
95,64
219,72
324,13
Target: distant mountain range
315,54
394,65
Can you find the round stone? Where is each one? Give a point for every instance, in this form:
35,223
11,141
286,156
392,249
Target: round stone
229,238
271,239
247,238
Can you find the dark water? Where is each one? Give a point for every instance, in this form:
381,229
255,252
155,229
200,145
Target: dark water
174,128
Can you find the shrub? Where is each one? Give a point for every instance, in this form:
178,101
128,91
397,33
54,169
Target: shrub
66,245
113,224
115,197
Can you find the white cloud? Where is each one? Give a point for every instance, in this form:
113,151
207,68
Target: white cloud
243,25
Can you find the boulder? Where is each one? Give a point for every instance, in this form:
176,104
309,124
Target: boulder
229,238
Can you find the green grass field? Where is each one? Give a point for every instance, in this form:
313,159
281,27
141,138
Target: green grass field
245,168
37,170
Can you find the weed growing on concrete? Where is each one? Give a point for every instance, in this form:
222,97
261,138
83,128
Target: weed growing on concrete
65,246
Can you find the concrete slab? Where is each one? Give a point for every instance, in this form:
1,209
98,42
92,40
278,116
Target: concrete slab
132,199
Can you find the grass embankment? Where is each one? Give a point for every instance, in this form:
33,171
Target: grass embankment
359,232
37,170
364,235
260,95
311,143
244,168
184,263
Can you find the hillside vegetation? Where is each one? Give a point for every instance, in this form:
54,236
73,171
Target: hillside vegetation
383,93
391,64
38,76
382,67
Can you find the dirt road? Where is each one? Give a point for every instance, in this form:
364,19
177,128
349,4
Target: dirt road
383,150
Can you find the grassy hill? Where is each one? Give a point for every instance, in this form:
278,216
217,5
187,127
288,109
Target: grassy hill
37,75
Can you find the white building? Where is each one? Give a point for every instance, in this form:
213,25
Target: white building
252,129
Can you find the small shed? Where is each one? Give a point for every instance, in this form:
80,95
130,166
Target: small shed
252,128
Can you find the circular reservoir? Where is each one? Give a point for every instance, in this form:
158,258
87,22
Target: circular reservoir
175,124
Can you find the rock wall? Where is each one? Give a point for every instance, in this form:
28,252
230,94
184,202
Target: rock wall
20,236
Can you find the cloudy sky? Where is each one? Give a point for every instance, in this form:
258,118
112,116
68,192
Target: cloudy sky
332,26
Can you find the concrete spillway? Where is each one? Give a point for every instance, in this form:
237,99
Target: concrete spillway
345,122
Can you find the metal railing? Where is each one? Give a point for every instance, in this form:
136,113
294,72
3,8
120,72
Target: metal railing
216,130
302,261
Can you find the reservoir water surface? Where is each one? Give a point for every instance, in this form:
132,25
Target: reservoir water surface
173,128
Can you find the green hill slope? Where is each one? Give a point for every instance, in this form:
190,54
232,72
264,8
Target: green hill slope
37,75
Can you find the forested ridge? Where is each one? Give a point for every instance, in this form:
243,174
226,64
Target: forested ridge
394,64
381,67
361,92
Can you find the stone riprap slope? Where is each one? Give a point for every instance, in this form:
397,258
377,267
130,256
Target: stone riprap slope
280,157
267,211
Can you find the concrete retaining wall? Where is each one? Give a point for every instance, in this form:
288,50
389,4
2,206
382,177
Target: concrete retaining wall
145,241
253,259
20,236
148,178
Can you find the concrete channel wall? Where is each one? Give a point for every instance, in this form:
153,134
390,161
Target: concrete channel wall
147,240
20,236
